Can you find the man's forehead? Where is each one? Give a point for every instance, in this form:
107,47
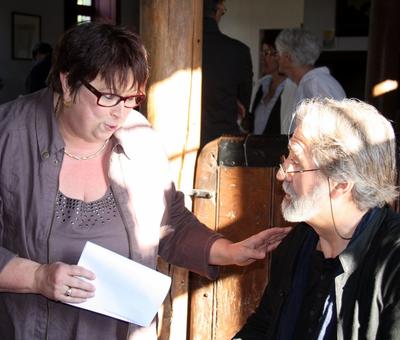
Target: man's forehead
298,143
295,147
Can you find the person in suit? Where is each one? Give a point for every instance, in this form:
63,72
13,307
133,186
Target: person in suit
227,77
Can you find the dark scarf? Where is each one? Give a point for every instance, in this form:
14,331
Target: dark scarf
291,308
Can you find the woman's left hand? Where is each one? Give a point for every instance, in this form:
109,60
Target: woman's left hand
63,282
224,252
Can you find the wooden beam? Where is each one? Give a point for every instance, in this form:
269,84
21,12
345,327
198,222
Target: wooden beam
384,57
171,31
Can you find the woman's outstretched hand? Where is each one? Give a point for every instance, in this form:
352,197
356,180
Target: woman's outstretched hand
225,252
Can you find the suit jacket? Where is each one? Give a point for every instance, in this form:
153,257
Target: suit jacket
227,77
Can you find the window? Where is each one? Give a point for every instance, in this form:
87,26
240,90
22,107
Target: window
83,18
77,11
84,2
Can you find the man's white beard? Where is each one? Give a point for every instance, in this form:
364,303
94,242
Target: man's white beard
300,209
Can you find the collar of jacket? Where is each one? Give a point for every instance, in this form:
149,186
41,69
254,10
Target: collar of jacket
134,131
351,257
48,135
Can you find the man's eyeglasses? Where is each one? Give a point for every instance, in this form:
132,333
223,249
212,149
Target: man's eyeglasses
112,99
299,171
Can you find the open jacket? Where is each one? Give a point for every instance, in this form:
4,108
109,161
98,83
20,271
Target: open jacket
153,212
367,290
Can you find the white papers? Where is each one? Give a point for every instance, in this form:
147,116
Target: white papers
125,289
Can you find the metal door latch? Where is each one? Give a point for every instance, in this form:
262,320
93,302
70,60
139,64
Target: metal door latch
201,193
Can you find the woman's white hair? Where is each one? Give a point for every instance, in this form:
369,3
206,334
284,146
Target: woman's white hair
352,142
303,46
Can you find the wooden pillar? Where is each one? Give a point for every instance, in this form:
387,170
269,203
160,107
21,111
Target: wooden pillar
384,57
171,31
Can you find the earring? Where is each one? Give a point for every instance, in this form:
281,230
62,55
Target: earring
67,103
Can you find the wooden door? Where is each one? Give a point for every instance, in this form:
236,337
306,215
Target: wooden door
244,200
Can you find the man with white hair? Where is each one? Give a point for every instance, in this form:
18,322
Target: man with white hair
337,274
298,50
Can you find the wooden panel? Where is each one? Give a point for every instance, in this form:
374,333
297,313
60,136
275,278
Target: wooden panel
244,209
202,290
248,200
206,179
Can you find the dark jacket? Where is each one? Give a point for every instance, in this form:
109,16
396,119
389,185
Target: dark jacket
227,77
367,292
37,77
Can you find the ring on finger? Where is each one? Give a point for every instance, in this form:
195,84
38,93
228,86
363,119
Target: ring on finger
68,292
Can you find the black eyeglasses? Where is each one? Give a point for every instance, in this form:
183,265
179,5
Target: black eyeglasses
267,53
112,99
286,172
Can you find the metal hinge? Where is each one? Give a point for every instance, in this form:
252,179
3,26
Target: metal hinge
201,193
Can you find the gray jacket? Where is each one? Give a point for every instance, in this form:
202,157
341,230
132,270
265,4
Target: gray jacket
157,223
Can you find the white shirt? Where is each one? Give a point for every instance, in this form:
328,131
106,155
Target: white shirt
287,104
319,83
316,83
263,110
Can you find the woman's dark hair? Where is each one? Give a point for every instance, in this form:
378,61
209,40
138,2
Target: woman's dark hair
94,48
269,37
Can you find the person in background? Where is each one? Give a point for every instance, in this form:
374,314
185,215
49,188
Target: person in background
227,75
264,117
337,274
37,77
79,164
298,50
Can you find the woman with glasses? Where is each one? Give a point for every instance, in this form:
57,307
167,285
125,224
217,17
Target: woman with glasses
264,117
77,164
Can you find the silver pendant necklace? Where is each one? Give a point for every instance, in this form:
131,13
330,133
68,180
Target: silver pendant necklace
93,155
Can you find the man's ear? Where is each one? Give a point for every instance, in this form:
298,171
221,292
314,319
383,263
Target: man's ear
341,189
289,57
65,87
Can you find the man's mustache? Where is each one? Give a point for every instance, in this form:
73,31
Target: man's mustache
288,189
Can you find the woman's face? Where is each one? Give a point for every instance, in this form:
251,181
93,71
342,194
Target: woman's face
269,59
85,119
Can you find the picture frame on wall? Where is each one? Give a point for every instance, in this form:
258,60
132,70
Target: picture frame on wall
26,33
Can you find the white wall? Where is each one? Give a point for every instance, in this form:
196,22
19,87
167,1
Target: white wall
245,19
14,72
